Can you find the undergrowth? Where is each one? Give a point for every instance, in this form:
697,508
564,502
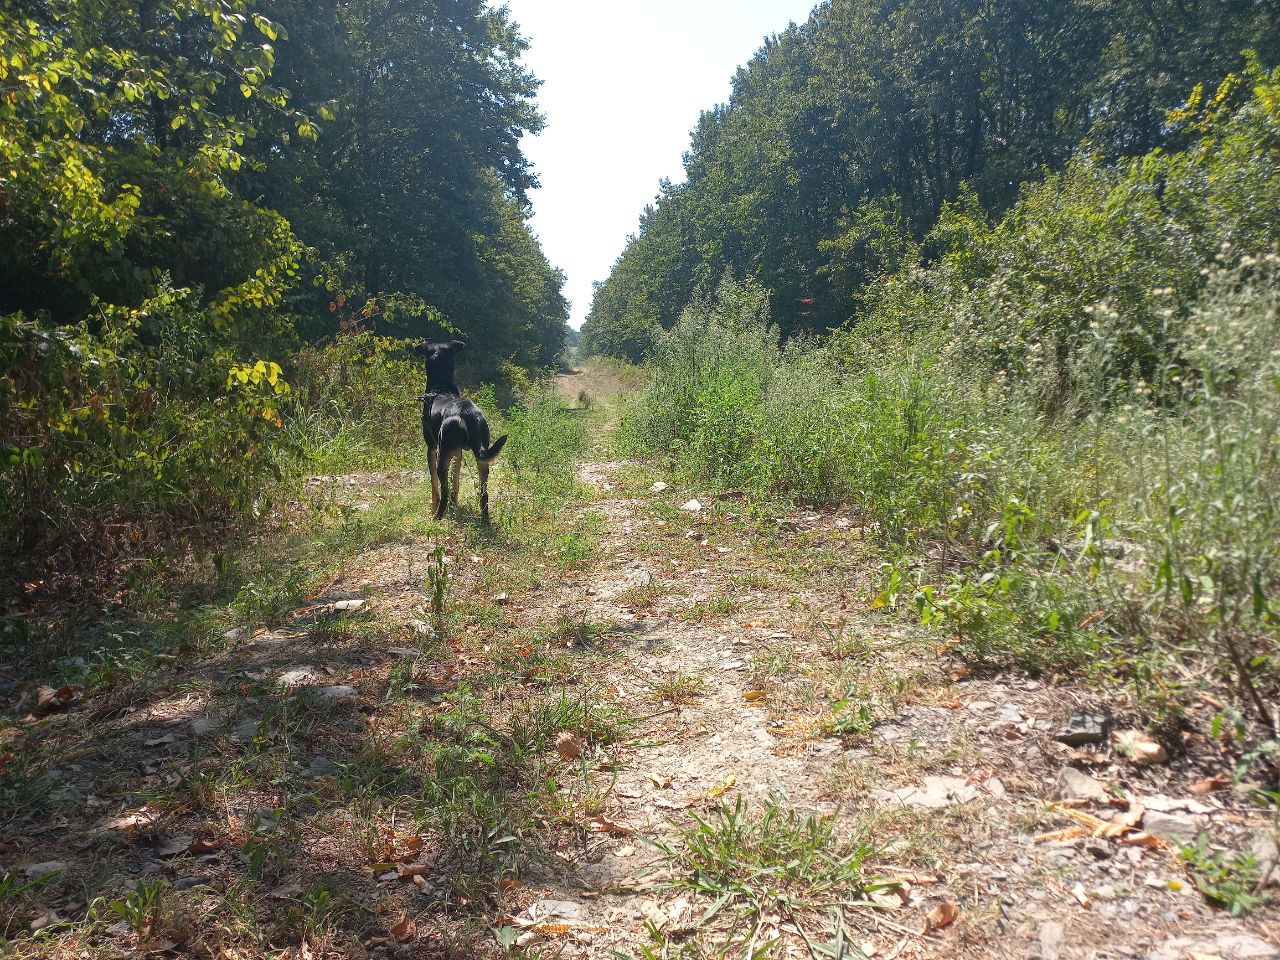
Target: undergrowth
1078,477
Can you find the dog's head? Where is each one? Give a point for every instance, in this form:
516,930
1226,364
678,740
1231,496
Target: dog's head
440,356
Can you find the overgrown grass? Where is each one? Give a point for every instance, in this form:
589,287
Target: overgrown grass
1135,533
1064,428
757,866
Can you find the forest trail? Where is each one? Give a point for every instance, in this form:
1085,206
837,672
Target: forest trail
755,673
622,723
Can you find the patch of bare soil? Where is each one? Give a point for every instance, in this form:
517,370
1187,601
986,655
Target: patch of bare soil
755,670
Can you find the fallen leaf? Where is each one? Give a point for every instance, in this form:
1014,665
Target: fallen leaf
889,899
717,791
44,918
37,870
1138,747
130,821
602,824
944,914
50,700
172,846
289,891
661,782
567,746
623,852
1210,785
1122,822
1082,898
413,869
404,929
1140,838
668,804
754,696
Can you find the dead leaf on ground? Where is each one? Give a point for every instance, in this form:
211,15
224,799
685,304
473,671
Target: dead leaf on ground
404,929
172,846
602,824
754,696
889,899
1122,822
1082,898
413,869
568,746
668,804
130,821
661,782
45,917
720,789
943,915
1141,839
51,700
1138,747
1210,785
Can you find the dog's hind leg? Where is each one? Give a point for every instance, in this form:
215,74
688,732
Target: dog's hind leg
457,470
482,468
453,440
433,467
442,471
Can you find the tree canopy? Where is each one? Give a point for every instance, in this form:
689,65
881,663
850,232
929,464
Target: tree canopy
845,136
191,190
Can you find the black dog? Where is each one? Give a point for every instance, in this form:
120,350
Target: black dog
451,424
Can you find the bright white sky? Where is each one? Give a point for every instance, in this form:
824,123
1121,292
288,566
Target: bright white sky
623,84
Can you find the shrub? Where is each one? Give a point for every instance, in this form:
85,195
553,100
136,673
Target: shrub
359,403
115,434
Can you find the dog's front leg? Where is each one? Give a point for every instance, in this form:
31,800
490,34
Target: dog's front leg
433,467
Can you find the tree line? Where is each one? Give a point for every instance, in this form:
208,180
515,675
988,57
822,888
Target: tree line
846,136
190,190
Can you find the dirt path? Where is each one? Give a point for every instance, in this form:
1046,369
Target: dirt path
755,672
627,724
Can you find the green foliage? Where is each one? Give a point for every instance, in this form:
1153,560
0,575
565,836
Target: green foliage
545,440
358,403
414,197
110,442
149,309
846,138
752,864
1075,413
1229,881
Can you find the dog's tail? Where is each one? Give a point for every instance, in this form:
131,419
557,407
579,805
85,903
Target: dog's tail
487,455
478,437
